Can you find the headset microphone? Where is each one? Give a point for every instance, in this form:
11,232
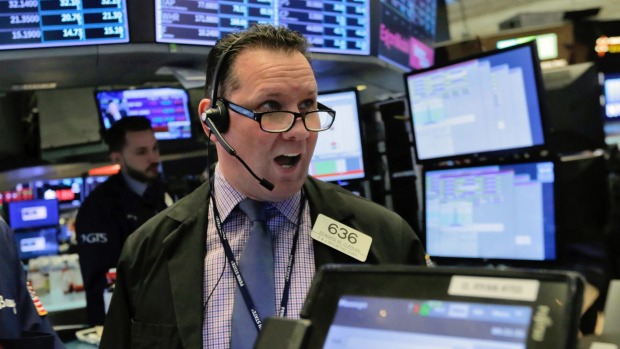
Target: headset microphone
217,118
207,120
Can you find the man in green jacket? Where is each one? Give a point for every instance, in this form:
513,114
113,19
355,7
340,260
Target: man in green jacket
177,273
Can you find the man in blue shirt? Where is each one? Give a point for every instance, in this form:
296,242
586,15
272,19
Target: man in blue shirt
178,277
21,324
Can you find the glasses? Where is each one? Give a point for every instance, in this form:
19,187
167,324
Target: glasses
282,120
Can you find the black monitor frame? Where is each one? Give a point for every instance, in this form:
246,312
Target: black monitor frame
539,108
554,297
166,144
615,117
47,223
482,261
27,237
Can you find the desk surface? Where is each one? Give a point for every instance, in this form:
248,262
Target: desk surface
79,345
57,301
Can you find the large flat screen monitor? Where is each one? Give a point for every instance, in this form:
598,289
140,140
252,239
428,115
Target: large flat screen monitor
489,103
491,212
37,242
41,23
611,104
67,191
407,33
338,155
414,307
340,27
611,89
167,108
32,214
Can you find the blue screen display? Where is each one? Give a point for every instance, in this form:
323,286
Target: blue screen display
491,212
166,108
340,27
44,23
611,90
33,214
35,243
482,105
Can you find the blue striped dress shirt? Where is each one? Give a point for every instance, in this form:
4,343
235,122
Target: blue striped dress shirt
219,283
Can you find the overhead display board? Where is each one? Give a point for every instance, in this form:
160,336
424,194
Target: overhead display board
53,23
339,27
407,32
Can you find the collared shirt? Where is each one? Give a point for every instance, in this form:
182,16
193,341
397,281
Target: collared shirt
135,185
140,187
219,282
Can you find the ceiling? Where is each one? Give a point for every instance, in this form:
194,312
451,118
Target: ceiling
144,64
472,18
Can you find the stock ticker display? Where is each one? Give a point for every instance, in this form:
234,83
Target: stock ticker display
53,23
338,26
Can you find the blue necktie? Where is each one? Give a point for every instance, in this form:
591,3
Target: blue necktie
256,266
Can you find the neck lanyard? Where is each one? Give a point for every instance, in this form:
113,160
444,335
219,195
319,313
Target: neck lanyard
237,273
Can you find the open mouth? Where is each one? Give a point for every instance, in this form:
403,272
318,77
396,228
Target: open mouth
288,160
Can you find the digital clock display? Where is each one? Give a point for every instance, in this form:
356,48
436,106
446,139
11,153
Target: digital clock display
53,23
331,26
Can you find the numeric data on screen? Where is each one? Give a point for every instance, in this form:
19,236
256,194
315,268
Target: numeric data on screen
53,23
331,26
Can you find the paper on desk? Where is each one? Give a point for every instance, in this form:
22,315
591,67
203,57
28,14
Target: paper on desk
599,345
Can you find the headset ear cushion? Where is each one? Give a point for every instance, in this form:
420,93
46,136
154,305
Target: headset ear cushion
218,116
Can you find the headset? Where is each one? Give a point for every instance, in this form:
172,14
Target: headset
217,118
218,115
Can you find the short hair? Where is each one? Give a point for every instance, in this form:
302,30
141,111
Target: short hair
115,135
264,36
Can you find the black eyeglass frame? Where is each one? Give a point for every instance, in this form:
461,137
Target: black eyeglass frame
257,116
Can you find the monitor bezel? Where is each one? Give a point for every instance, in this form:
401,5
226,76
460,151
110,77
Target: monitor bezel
60,44
11,205
25,256
62,205
558,291
481,261
171,141
345,53
540,93
612,75
343,181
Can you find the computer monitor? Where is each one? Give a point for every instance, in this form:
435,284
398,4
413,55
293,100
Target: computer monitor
611,94
332,27
67,191
167,108
486,104
33,214
487,213
407,31
338,155
41,24
37,242
366,306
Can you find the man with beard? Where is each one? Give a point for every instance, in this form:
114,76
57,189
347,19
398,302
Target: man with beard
118,206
